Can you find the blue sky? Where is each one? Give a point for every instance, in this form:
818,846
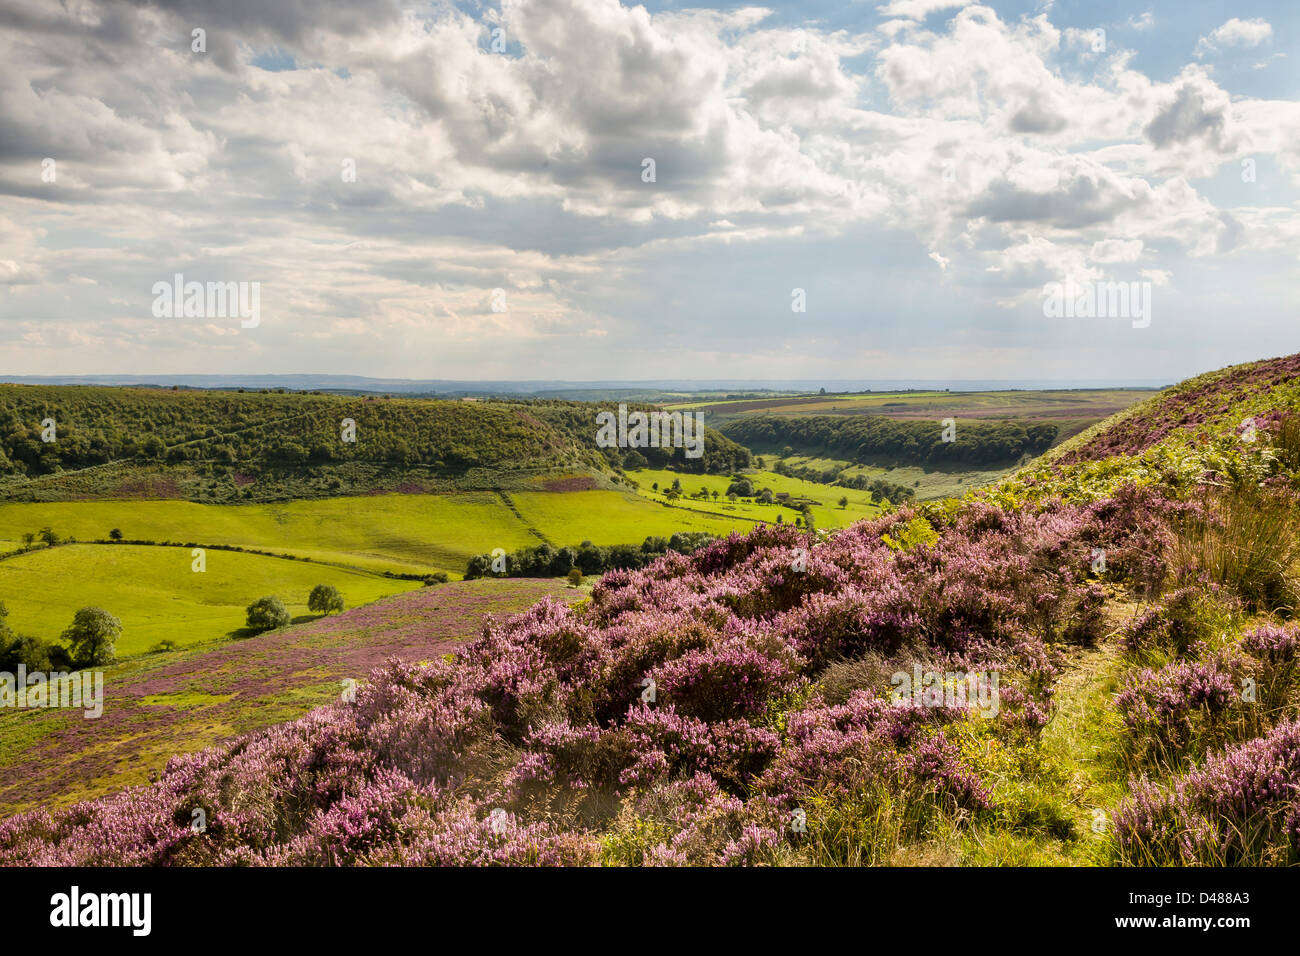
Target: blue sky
459,191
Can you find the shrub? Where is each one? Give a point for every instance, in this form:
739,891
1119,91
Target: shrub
324,599
1239,809
1186,617
1179,711
575,577
33,654
268,613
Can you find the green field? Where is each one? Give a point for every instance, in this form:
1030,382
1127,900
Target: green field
348,541
826,513
405,533
927,484
609,517
157,596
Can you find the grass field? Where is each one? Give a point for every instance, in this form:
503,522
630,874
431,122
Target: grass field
926,484
610,517
412,533
826,514
164,704
157,596
152,590
404,533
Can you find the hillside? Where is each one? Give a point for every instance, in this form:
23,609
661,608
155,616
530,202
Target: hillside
61,443
1109,666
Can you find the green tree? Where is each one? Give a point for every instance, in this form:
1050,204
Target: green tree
92,637
575,577
844,501
49,536
115,534
268,613
325,599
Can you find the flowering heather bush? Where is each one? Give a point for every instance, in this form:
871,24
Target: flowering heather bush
1179,709
1241,809
1272,657
1186,617
536,744
1194,402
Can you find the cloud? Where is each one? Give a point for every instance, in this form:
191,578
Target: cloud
380,169
1235,33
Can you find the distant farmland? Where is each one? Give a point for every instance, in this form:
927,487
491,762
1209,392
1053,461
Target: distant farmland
1058,405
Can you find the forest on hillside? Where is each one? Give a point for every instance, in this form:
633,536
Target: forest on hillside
864,438
288,437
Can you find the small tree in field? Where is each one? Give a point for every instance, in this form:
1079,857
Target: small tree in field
115,534
325,599
268,613
844,501
575,577
92,637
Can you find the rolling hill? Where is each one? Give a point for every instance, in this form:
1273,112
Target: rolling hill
1108,666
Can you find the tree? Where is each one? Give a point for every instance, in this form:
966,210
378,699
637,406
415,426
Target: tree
92,637
741,488
29,538
844,501
575,577
325,599
268,613
115,534
49,536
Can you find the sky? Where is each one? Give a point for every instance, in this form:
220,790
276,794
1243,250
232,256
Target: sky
582,189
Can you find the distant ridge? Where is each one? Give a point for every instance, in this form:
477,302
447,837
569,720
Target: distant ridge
561,388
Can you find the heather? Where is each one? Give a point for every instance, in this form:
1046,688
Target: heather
734,703
1241,808
681,701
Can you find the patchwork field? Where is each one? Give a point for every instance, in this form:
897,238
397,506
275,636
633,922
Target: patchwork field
826,513
1090,404
402,533
160,705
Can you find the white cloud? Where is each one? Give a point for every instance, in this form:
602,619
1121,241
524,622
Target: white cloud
1002,151
1235,33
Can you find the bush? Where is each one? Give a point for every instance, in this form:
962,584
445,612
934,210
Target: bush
92,637
33,654
325,599
268,613
575,577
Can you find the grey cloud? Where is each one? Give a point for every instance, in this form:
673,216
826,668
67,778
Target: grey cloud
1189,117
